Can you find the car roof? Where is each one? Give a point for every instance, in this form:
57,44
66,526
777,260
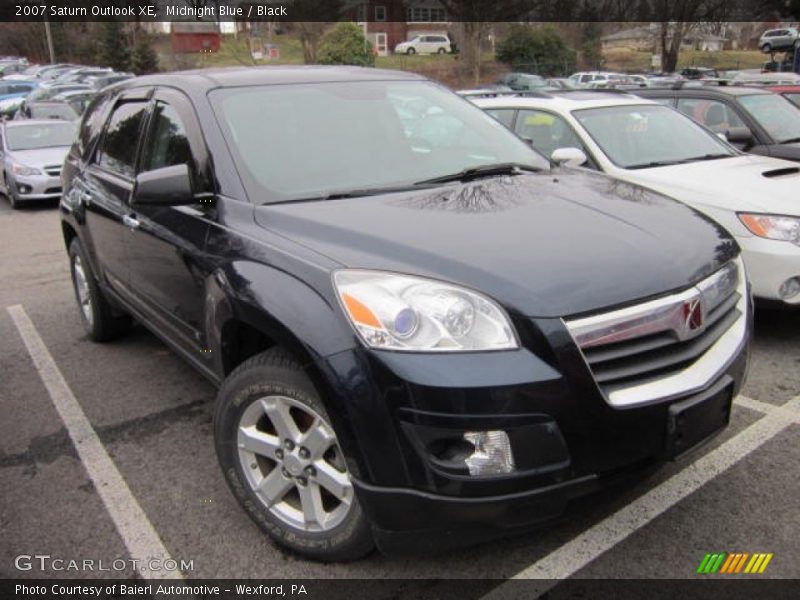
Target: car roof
784,88
722,90
206,79
565,100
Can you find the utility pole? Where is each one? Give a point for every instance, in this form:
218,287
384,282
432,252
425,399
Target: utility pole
50,41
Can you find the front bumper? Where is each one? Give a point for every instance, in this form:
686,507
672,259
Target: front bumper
567,440
769,263
36,187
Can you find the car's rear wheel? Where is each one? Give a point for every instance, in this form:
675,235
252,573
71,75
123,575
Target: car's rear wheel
98,317
281,458
411,51
766,48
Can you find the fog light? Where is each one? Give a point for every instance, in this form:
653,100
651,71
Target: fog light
24,189
789,288
492,454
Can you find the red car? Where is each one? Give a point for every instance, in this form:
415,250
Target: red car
790,92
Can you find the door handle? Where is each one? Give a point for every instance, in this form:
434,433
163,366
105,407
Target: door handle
130,222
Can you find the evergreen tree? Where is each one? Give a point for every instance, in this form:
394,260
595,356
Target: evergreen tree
114,50
144,59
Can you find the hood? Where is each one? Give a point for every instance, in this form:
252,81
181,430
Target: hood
546,245
41,157
750,182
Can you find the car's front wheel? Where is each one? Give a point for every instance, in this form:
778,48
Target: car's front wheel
282,460
10,194
98,317
442,51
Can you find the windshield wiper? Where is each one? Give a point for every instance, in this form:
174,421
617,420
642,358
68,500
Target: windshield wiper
356,193
482,171
667,163
706,157
791,141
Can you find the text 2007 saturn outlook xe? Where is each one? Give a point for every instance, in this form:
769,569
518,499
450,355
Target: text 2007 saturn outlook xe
421,333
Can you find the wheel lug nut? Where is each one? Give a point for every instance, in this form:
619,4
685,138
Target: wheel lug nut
286,474
279,454
304,453
288,444
310,471
302,480
253,466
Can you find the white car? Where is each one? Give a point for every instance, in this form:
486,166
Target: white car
779,39
437,43
646,143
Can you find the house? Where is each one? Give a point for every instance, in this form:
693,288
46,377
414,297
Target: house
646,38
386,23
194,36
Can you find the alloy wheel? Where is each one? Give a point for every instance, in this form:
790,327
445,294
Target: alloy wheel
293,463
82,290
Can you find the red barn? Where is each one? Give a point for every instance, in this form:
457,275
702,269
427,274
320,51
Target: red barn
194,36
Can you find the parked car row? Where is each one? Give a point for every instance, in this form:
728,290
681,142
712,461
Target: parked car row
640,139
39,108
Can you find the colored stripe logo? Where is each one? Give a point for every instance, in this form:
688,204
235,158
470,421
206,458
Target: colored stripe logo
734,562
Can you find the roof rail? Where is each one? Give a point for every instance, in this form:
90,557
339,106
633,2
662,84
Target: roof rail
614,90
496,93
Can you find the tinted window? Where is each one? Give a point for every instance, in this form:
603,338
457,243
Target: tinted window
715,115
167,144
92,124
118,148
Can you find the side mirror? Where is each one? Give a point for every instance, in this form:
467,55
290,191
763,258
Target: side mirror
168,186
739,135
570,157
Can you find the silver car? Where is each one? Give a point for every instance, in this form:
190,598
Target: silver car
31,154
779,39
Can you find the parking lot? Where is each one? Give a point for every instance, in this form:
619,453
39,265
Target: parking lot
152,415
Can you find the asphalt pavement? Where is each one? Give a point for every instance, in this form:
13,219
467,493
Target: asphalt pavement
152,415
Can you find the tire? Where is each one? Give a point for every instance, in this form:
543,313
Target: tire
12,197
98,317
441,51
411,51
766,48
302,497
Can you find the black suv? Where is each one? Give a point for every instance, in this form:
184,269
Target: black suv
422,335
752,119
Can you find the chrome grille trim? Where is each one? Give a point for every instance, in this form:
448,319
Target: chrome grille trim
647,353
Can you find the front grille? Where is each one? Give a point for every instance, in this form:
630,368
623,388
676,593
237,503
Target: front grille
53,190
658,354
53,170
668,346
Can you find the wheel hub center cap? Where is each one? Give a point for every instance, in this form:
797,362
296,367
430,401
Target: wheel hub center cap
293,465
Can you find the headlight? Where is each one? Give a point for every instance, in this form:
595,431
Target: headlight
23,170
400,312
773,227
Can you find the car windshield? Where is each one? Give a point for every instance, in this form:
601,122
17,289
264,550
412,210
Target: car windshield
39,135
314,140
639,136
794,98
775,114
